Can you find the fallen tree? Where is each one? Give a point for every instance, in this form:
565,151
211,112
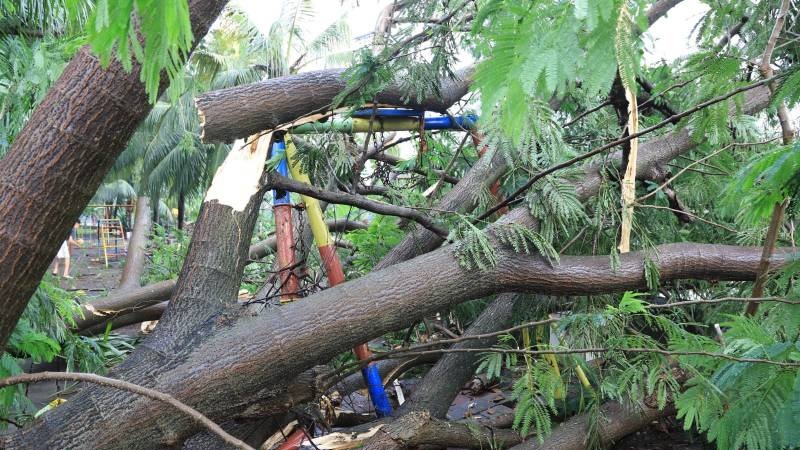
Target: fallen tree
376,303
233,358
238,112
60,158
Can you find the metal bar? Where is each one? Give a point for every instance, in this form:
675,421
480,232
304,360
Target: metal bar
387,123
284,236
333,268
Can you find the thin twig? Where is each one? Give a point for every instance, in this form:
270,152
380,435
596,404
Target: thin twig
586,113
194,414
623,140
710,222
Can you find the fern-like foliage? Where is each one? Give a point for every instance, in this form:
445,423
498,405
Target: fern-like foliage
536,50
164,25
768,179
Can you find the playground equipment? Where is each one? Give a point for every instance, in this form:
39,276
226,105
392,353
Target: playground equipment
365,120
112,239
388,119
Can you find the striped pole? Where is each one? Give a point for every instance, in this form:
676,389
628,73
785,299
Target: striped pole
333,269
390,122
282,209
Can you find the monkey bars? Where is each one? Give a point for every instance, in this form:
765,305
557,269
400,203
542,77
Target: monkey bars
388,119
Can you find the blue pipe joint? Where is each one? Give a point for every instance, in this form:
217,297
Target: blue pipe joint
366,113
281,197
466,122
377,394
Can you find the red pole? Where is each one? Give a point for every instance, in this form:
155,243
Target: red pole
285,252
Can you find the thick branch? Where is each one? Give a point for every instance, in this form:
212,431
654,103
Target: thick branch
616,421
240,111
60,158
277,181
420,429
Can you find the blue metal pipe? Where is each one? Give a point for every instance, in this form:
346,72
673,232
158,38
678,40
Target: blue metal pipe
388,112
376,392
446,123
280,197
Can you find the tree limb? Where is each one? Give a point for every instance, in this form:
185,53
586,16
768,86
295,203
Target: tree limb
277,181
130,387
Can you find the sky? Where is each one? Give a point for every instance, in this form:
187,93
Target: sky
668,39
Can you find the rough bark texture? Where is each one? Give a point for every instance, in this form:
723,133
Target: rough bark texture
617,422
59,160
419,428
432,398
136,258
240,111
232,368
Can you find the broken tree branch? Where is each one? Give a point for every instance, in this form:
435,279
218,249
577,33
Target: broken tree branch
617,142
130,387
240,111
277,181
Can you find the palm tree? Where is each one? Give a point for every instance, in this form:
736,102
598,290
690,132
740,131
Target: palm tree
166,154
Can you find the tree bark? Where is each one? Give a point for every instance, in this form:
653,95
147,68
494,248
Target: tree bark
181,209
231,367
153,312
441,384
616,422
419,428
136,258
59,159
356,311
240,111
109,308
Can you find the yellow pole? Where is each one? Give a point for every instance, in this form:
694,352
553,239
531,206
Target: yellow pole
318,228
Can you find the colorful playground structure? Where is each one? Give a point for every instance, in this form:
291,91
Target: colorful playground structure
103,233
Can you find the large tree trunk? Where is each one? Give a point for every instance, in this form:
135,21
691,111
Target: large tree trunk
236,371
231,368
240,111
136,258
59,160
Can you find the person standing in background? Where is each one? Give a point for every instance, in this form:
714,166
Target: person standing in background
63,252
